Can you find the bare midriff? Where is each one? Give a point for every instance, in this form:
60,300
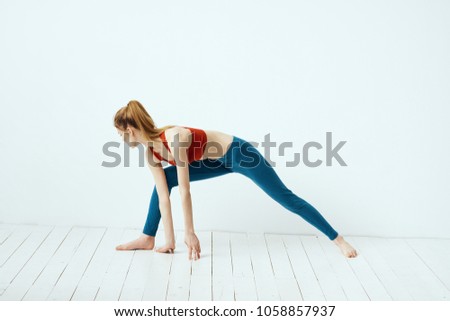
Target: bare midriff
216,146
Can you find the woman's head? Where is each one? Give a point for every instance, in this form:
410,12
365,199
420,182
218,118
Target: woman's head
135,124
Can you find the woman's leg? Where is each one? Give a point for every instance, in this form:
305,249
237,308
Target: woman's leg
247,160
242,158
198,170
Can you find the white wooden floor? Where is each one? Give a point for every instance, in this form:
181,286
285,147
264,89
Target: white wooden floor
79,263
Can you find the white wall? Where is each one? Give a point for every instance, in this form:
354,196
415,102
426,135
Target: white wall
374,73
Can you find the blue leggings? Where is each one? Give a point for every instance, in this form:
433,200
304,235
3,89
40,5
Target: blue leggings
241,157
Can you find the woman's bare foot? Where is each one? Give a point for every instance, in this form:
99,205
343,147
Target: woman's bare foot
345,247
143,242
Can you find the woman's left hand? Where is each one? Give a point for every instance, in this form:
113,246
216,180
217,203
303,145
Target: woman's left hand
193,244
168,248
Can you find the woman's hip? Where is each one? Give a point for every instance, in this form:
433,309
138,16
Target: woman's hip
241,154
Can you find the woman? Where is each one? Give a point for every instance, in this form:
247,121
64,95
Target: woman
197,154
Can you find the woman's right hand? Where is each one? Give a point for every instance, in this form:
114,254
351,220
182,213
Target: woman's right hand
193,244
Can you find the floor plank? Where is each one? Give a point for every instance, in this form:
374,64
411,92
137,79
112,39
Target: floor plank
155,288
242,269
304,273
157,283
285,280
81,263
201,287
222,269
436,255
180,273
240,255
430,283
91,280
411,271
369,280
326,276
45,282
5,231
266,286
72,274
244,288
381,268
114,278
21,256
349,281
13,242
34,267
140,269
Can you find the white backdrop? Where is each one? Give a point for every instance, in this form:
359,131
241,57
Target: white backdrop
374,73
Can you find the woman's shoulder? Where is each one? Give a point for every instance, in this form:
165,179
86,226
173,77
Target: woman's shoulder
178,128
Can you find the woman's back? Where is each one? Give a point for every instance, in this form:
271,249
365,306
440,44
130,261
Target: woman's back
203,144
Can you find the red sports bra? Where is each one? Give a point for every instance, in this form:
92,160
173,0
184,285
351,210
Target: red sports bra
195,150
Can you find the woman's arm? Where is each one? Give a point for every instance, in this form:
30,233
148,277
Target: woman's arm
179,139
164,199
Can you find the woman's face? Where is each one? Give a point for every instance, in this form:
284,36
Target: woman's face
129,136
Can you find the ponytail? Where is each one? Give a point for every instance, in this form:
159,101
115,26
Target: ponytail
134,114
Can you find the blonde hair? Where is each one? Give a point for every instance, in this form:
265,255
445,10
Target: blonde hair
134,114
